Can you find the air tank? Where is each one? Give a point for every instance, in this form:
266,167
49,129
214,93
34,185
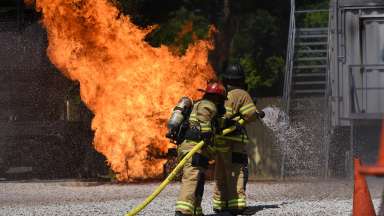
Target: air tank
183,107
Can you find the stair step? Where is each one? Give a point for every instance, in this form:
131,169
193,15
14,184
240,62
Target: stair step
311,51
309,75
309,83
313,11
311,29
310,67
312,36
309,91
311,59
311,43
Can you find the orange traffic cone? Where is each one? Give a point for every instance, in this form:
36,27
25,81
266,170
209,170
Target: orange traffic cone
362,202
378,168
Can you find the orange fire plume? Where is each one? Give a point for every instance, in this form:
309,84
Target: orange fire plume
130,86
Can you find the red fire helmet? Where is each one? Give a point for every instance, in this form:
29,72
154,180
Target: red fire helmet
216,88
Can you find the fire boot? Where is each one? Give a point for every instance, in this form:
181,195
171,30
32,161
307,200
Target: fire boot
222,212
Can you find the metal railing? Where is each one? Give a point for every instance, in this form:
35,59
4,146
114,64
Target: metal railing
296,19
289,59
327,128
288,74
361,88
297,22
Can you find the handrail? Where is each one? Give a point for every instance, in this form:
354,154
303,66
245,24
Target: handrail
288,74
289,58
366,66
328,93
288,79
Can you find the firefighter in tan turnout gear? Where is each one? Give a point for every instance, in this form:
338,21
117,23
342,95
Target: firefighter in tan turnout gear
200,127
231,172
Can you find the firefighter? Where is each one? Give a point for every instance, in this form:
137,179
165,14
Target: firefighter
201,127
230,184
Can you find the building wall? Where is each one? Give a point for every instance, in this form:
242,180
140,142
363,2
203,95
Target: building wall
356,39
264,152
346,49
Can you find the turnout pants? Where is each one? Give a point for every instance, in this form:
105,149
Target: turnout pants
192,186
231,176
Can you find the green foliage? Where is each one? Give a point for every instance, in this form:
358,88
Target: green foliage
169,33
258,43
253,76
267,77
254,29
319,19
311,4
273,70
254,47
316,20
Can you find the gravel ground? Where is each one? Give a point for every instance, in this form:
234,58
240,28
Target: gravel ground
77,198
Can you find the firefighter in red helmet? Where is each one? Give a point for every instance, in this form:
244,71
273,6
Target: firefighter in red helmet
201,127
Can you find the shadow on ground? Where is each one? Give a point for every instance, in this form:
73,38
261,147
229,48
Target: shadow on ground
251,209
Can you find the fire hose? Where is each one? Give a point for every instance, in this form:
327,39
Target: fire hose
172,175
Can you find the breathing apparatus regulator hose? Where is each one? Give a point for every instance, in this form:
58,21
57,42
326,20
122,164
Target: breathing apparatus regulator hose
172,175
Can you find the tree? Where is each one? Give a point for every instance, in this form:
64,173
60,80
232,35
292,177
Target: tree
253,33
228,26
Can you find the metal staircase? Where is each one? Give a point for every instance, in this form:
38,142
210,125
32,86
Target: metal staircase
307,57
310,62
306,89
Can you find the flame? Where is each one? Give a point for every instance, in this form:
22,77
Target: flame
130,86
